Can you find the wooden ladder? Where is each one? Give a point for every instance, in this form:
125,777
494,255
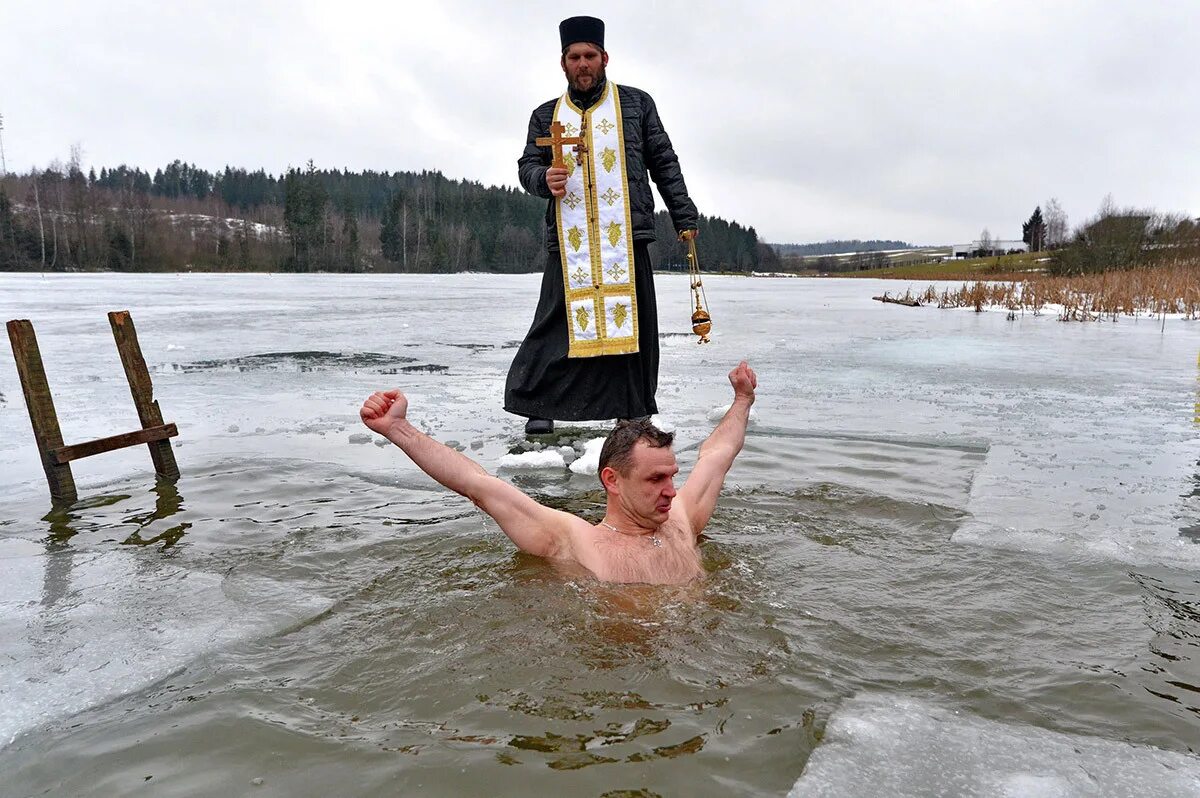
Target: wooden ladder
56,457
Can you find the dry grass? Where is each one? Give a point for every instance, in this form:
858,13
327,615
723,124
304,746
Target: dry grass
1174,288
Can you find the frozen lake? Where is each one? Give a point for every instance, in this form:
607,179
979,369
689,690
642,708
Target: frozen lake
958,552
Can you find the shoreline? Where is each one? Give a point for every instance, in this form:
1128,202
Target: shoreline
1159,292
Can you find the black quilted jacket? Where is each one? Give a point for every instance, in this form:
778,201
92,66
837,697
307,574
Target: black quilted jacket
647,149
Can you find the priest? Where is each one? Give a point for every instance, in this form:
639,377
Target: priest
592,350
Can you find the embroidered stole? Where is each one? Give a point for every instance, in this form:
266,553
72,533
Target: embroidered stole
595,238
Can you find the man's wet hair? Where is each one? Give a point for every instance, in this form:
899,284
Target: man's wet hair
618,447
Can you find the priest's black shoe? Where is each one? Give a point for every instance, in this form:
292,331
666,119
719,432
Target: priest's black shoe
539,426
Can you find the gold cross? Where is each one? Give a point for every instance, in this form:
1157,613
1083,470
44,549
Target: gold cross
556,140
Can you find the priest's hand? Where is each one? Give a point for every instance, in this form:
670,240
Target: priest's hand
687,235
556,180
384,410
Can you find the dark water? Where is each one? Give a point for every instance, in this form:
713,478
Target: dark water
950,508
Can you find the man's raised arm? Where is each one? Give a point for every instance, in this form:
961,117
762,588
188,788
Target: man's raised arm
699,494
533,527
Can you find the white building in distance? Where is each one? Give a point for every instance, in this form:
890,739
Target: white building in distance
996,247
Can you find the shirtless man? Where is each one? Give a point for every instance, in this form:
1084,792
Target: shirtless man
649,530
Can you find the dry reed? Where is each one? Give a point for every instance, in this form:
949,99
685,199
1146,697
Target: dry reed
1159,290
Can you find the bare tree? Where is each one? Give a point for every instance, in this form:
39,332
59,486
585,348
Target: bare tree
37,200
1056,223
80,200
60,173
986,245
136,206
463,248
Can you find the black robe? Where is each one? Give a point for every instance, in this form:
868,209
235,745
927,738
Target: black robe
544,383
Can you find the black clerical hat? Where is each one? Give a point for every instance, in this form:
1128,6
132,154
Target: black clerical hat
581,29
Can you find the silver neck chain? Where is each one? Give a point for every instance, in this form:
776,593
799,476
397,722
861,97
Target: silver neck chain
653,538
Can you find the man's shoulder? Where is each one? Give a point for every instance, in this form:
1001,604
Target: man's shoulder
634,93
580,534
546,108
679,523
542,116
579,526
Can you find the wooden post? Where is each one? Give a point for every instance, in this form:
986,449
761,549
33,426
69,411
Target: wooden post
41,409
143,392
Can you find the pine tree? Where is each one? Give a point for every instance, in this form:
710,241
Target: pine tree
305,201
349,249
1033,232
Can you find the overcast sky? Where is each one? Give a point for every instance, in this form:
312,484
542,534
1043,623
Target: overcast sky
920,121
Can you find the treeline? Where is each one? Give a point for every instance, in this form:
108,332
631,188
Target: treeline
1124,238
858,262
839,247
1114,238
185,217
238,188
722,246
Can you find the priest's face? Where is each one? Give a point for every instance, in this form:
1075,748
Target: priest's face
584,64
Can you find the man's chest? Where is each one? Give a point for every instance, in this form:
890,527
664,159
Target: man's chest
674,561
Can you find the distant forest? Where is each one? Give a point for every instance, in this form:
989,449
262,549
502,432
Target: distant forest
839,247
184,217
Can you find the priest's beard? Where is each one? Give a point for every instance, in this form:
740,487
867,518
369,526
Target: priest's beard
585,87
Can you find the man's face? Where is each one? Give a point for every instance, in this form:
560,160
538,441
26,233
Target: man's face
646,492
584,65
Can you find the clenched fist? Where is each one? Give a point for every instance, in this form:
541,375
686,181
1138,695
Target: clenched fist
384,410
744,381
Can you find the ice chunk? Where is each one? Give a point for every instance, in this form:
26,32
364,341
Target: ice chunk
589,460
80,630
548,458
882,745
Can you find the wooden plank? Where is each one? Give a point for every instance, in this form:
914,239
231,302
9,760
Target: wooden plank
143,391
40,403
66,454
